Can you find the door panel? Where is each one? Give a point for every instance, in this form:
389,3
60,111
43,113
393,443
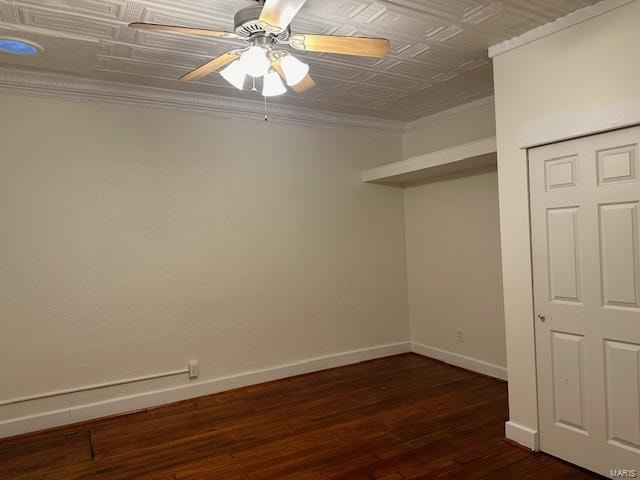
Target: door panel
619,254
623,397
618,165
568,373
585,215
561,173
564,269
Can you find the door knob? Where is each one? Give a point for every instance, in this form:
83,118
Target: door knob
541,317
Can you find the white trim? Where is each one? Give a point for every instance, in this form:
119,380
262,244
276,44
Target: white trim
469,156
17,426
563,23
522,435
450,112
67,87
580,124
97,386
462,361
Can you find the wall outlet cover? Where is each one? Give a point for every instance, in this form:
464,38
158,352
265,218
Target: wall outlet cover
194,369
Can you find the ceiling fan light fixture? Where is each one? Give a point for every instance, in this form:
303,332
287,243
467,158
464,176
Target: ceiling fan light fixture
265,27
255,62
235,74
294,70
272,85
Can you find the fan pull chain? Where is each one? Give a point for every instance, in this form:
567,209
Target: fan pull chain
265,109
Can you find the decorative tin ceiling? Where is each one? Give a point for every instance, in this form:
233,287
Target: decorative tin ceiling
438,53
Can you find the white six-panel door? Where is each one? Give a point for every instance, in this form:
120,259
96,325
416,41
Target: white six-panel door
585,214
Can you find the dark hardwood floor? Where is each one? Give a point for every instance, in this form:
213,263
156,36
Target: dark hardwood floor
395,418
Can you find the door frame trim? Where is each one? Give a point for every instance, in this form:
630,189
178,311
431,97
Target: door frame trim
581,123
522,435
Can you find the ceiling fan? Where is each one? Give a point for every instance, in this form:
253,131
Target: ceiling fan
266,27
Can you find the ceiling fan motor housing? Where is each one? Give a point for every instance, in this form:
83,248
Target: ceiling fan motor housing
246,24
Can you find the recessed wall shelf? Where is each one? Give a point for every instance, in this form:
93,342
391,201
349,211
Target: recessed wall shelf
470,156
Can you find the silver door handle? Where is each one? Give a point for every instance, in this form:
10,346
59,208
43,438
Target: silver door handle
541,317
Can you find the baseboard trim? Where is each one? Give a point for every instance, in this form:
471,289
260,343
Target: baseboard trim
522,435
124,404
462,361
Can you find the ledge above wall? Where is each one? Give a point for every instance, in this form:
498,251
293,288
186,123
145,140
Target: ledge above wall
470,156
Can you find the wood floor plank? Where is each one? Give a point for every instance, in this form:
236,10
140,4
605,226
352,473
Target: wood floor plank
397,418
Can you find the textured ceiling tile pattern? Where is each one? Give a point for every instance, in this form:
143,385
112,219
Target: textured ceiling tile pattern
438,55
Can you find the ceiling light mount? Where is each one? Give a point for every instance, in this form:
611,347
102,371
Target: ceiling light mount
16,46
247,24
262,40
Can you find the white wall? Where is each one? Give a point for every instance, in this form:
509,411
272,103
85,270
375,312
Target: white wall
453,243
453,252
473,121
590,65
134,240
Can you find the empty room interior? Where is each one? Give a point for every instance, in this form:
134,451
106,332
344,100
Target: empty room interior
319,239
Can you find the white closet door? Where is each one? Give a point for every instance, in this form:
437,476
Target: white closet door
585,213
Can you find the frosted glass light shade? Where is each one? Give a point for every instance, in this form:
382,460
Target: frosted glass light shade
255,62
235,74
294,70
273,85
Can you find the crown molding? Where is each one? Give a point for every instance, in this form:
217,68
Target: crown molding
69,87
451,111
563,23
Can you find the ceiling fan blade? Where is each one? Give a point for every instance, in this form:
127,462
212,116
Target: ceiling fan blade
307,83
204,32
365,47
277,66
212,66
277,14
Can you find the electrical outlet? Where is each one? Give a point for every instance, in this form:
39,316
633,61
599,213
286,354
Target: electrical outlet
194,369
460,335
